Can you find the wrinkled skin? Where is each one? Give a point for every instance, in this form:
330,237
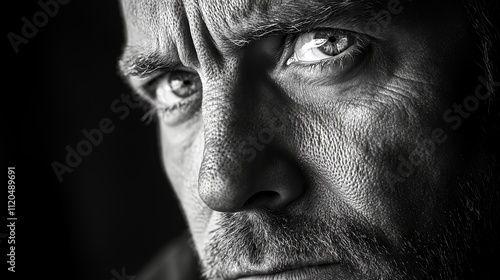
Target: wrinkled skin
325,171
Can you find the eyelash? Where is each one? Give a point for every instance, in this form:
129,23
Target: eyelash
148,90
338,61
149,107
152,107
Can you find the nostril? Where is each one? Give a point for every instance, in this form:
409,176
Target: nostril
271,183
263,199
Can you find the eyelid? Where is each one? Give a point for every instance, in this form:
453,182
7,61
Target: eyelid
145,85
362,41
175,112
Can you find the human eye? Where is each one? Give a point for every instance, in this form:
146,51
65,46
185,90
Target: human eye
326,46
175,95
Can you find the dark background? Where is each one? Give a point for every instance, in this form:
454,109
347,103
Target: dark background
116,209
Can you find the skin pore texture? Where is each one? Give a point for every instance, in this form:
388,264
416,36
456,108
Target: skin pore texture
354,165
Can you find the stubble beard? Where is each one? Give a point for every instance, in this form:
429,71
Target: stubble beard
250,240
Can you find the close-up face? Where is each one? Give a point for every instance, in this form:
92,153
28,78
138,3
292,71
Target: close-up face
317,139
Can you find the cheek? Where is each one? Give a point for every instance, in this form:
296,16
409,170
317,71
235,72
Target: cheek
378,157
182,153
400,172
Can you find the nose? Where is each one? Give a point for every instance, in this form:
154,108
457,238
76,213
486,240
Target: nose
271,181
244,163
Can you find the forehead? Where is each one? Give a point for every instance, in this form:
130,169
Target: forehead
177,32
150,12
231,18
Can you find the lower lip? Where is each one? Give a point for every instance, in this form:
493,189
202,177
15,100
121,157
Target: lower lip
322,272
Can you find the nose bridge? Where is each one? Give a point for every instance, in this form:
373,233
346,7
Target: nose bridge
204,34
226,124
223,125
233,110
241,167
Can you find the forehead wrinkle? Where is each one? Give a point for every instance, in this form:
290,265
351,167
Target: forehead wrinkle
163,29
226,25
148,16
242,21
222,17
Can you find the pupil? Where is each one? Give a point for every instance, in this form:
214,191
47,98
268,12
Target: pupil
332,39
183,84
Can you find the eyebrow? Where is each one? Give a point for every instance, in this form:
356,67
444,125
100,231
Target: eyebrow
141,62
291,17
303,16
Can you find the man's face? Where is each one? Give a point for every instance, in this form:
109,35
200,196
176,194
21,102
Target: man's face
310,139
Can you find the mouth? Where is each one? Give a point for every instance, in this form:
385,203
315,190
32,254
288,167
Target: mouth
318,272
